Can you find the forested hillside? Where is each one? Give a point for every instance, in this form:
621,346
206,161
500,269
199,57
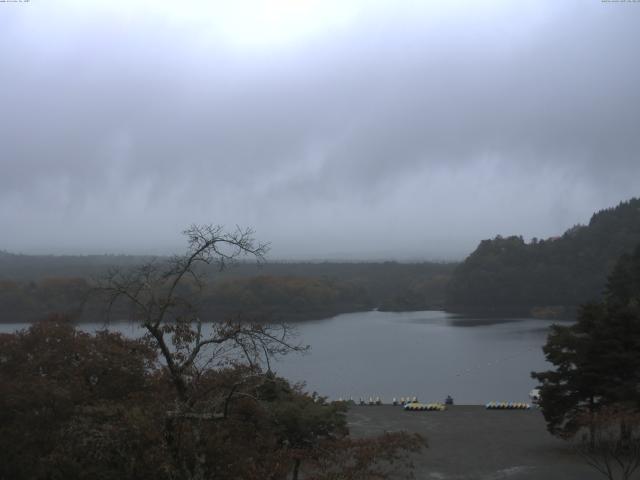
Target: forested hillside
546,277
505,275
32,287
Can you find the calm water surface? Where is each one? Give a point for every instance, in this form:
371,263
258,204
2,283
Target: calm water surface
427,354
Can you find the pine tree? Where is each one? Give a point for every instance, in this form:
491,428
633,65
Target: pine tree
597,359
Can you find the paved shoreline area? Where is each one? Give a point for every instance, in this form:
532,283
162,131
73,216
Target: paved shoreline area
469,442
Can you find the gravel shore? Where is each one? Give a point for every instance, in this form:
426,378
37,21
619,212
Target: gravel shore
470,442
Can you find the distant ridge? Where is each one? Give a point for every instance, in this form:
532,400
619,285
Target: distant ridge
546,278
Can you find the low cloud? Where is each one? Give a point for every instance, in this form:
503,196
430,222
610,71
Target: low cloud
397,132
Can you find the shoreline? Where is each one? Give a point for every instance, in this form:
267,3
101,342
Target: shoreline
490,314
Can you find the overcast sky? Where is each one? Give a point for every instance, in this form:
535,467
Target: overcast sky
336,129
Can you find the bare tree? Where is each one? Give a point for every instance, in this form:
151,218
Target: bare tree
163,297
612,444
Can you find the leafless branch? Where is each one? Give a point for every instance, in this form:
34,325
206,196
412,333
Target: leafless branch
157,302
614,443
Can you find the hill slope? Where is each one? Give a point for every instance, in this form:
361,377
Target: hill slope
545,276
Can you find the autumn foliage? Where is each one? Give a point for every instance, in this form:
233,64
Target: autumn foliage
75,405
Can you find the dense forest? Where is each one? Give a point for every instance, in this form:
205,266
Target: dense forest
545,277
32,287
506,275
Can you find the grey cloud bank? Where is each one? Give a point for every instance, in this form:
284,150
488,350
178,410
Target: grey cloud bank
402,132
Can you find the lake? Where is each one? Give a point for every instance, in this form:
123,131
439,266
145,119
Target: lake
428,354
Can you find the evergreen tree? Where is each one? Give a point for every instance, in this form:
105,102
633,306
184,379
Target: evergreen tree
597,359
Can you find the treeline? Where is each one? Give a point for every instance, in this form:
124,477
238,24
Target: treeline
19,267
390,286
506,275
283,291
28,301
545,277
285,298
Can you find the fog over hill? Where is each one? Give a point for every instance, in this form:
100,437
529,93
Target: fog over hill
360,130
